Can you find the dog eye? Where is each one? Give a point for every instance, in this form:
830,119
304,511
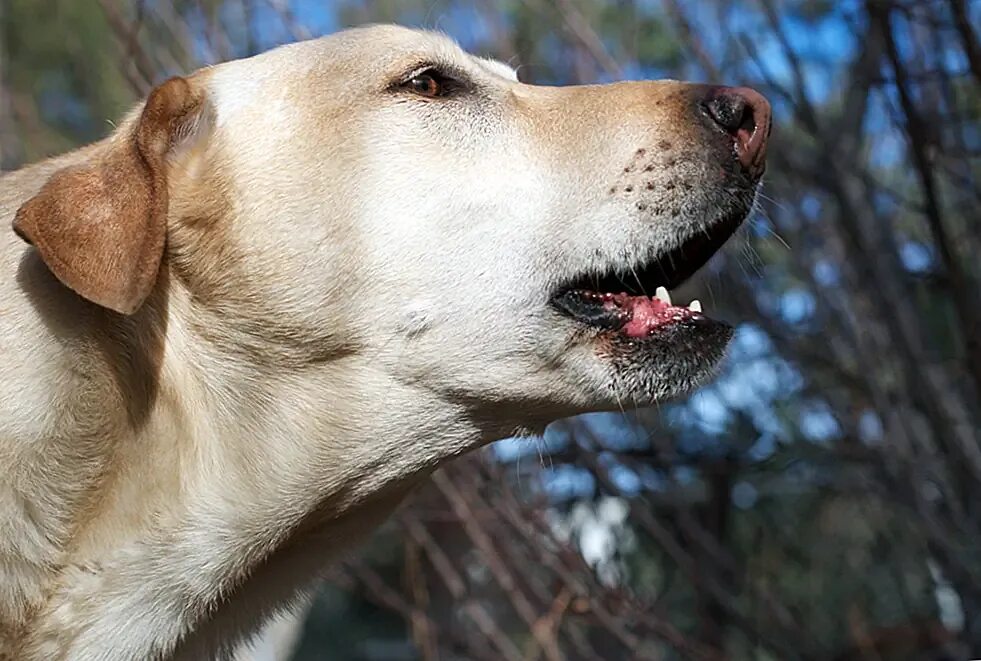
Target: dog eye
429,83
426,85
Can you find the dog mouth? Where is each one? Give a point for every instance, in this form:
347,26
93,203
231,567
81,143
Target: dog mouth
636,302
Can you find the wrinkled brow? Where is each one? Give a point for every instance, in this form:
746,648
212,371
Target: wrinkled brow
451,59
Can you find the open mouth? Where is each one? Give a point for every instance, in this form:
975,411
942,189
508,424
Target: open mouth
637,302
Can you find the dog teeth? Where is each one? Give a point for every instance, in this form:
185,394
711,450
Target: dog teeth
662,295
695,306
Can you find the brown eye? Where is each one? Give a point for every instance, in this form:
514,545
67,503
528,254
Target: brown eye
425,84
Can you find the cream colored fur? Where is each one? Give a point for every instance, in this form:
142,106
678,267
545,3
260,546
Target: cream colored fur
354,291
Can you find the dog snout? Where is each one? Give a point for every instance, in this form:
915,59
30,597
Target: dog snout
744,114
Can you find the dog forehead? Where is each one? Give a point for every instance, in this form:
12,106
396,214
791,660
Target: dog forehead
293,73
367,50
497,68
282,86
392,45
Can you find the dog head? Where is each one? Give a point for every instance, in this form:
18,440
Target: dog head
380,196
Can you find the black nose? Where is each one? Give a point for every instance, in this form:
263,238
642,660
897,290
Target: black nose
744,114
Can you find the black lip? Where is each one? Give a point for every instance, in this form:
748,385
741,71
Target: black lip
589,308
678,265
669,269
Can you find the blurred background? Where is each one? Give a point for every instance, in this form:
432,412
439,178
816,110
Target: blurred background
822,498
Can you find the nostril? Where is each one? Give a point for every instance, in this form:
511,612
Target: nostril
731,113
747,121
744,114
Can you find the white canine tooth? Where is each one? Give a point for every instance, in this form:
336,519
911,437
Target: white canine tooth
695,306
662,295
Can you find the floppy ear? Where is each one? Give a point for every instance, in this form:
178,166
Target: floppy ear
100,226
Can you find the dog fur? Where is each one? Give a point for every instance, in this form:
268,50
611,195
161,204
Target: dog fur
284,290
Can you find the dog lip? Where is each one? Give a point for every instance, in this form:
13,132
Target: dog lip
668,269
683,261
618,301
634,316
600,310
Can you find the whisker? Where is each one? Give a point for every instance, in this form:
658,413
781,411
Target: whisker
777,236
760,195
640,284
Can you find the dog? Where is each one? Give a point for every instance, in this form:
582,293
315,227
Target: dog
237,331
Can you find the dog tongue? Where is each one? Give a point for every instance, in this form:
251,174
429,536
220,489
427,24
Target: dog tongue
647,314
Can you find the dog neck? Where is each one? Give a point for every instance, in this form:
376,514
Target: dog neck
199,466
223,467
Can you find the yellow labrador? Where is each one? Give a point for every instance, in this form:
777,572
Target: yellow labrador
237,331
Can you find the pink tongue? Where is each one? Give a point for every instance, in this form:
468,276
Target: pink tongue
647,314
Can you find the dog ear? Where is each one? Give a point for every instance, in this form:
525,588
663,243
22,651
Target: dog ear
101,226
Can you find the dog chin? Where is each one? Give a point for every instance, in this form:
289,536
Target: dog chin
667,365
